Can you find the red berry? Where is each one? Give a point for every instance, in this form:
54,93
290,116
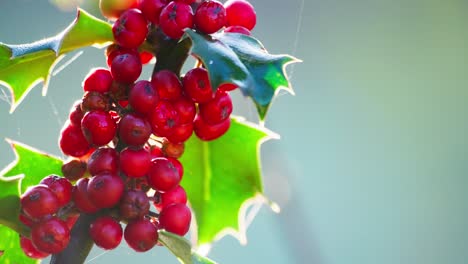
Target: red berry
39,201
114,50
119,91
167,84
240,13
178,166
174,18
143,97
207,132
81,197
141,235
98,80
185,109
173,150
95,101
71,220
135,162
238,29
216,110
176,218
151,9
105,190
30,250
130,29
197,85
51,235
98,127
106,232
227,87
181,133
163,175
103,160
112,9
164,119
135,204
76,114
74,169
72,141
61,187
126,67
210,17
146,57
155,152
26,220
134,130
188,2
178,195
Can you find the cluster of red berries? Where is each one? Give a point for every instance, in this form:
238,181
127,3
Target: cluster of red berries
126,135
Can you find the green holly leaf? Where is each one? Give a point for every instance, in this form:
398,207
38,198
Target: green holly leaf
222,179
24,66
182,249
244,61
28,169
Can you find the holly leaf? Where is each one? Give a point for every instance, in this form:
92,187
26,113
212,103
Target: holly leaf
244,61
182,249
222,179
28,169
24,66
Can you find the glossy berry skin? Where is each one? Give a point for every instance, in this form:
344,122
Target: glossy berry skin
76,114
210,17
163,175
141,235
81,197
105,190
126,68
238,29
134,204
74,169
134,130
240,13
174,18
72,141
197,85
51,235
98,127
164,119
207,132
114,50
143,97
155,152
130,29
188,2
227,87
186,110
177,195
61,187
39,201
106,232
167,84
103,160
98,80
176,218
151,9
216,110
181,133
112,9
135,163
30,250
178,166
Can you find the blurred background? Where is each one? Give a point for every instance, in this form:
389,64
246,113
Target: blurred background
372,163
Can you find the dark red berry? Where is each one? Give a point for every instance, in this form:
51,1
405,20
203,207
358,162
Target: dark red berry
151,9
72,141
164,119
174,18
74,169
178,166
134,130
135,204
143,97
185,109
207,132
103,160
238,29
216,110
105,190
126,67
240,13
155,152
130,29
178,195
95,101
76,114
81,197
197,85
188,2
98,127
176,218
167,84
210,17
135,162
181,133
30,250
26,220
39,201
141,235
51,235
61,187
173,150
114,50
106,232
98,80
163,175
